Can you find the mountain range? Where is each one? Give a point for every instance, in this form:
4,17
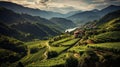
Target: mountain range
79,17
108,22
86,16
27,26
34,12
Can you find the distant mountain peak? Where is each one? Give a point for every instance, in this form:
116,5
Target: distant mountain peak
95,10
112,6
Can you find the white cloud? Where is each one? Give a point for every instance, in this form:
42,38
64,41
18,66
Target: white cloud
65,5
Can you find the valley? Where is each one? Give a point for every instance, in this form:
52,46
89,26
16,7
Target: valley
31,37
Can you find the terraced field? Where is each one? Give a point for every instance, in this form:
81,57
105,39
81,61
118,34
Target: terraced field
62,40
115,45
110,47
70,42
33,44
39,59
61,50
58,49
78,49
36,56
50,62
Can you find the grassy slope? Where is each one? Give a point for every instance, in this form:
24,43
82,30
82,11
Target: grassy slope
59,59
78,49
38,56
70,42
114,45
50,62
62,40
34,60
34,57
58,49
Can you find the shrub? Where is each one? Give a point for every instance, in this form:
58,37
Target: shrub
71,62
52,54
34,50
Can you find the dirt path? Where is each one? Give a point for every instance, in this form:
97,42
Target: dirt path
48,48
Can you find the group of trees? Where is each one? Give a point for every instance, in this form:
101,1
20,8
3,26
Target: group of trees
11,50
91,59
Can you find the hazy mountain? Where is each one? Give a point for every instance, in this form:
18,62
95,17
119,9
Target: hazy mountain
36,28
95,10
110,18
35,12
72,13
107,22
109,9
83,17
86,16
62,22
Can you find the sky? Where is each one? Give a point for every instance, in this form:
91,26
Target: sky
65,6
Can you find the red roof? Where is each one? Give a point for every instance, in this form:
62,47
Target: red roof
78,31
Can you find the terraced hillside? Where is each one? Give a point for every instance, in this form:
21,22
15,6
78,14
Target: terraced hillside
55,54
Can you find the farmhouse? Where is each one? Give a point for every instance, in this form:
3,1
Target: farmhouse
78,33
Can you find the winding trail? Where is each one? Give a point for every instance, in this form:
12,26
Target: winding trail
47,49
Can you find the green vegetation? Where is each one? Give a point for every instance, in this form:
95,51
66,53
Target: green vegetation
71,62
62,22
58,49
56,38
57,61
79,49
60,41
114,45
31,58
11,50
46,55
70,42
106,37
39,43
36,52
7,57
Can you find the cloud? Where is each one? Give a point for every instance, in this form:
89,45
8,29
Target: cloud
63,9
66,5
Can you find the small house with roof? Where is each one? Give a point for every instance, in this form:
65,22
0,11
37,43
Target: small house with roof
78,33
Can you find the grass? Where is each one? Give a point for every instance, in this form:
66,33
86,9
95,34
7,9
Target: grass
34,57
58,49
62,40
78,49
37,56
35,44
59,60
70,42
113,36
50,62
114,45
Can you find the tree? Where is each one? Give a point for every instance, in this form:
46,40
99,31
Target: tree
71,62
